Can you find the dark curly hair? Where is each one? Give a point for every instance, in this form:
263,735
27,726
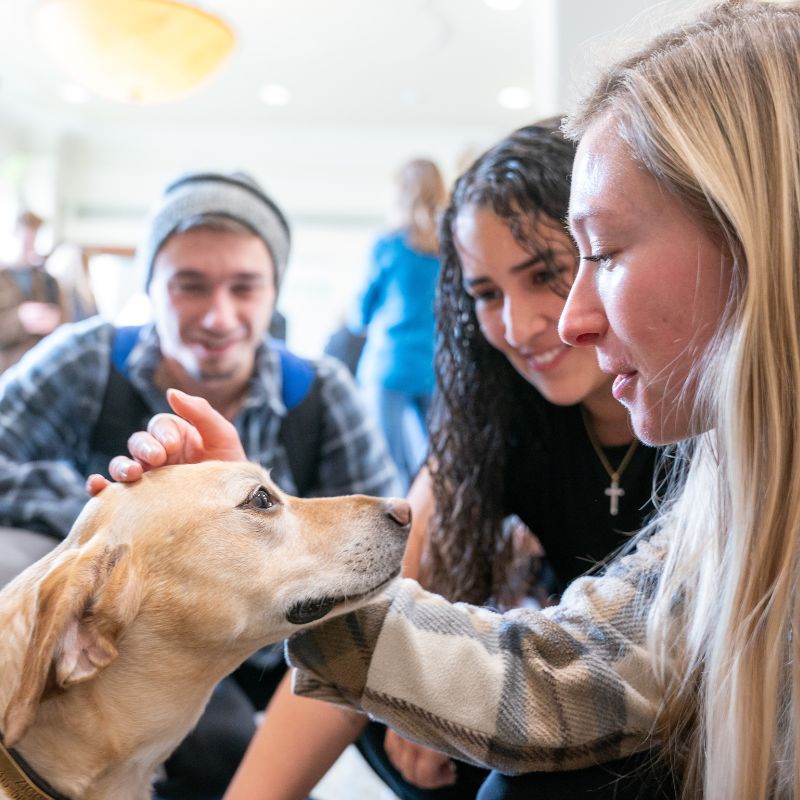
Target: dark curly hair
524,179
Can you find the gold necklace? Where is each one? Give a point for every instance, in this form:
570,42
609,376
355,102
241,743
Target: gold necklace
614,491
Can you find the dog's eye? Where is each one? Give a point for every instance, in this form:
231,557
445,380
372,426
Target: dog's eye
260,499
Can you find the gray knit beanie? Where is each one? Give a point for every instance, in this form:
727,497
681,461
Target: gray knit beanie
234,195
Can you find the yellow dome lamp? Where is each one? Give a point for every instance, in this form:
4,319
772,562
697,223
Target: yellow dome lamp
135,51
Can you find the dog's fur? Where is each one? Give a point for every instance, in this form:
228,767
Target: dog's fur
112,643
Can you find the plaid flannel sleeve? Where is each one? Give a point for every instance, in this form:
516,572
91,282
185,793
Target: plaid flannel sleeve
49,403
523,691
354,456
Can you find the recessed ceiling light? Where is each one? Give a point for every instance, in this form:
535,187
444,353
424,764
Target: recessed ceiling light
504,5
273,94
514,97
72,93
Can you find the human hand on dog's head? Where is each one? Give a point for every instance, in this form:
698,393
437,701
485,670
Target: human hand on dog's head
198,433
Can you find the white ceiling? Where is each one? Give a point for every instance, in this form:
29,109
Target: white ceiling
345,62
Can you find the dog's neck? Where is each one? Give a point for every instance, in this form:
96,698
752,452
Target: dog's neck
19,782
100,740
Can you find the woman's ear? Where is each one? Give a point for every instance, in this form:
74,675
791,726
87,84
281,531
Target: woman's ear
82,605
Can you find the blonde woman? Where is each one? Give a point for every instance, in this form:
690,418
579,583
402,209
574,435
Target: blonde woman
396,311
685,207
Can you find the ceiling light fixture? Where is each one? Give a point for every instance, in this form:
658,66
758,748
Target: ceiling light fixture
138,51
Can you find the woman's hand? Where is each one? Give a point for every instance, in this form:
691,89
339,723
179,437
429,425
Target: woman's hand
198,433
420,766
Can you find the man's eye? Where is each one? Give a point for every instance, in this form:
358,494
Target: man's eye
261,500
190,288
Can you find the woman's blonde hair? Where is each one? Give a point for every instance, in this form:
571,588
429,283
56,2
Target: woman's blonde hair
421,196
712,111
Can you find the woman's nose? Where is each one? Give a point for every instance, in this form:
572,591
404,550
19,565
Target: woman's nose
522,320
583,321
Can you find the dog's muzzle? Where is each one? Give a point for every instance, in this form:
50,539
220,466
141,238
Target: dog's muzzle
316,608
310,610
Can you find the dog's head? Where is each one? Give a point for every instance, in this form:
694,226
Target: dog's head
210,558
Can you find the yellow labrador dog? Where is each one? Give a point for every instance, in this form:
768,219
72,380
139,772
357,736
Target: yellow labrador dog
112,643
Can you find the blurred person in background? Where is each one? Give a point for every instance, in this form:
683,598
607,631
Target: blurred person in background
66,265
345,344
396,311
30,299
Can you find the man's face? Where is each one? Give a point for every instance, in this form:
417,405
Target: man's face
213,294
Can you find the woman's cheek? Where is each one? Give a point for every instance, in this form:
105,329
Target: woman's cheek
491,326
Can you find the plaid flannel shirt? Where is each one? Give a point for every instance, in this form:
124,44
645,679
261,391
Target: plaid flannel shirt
523,691
51,400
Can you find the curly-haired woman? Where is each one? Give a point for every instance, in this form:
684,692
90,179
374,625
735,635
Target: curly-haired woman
523,423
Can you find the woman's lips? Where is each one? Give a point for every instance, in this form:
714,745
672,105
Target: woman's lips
623,384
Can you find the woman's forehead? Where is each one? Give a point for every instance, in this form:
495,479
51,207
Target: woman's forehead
481,225
608,183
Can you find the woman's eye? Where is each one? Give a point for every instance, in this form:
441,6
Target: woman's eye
603,259
261,499
545,276
486,296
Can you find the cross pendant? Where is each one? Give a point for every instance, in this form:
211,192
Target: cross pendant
614,493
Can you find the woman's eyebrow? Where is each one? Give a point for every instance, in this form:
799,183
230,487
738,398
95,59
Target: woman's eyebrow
582,216
544,256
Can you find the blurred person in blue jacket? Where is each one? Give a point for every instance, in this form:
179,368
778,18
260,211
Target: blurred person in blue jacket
396,310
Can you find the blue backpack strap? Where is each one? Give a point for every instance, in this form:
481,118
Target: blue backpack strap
297,376
301,430
123,409
121,346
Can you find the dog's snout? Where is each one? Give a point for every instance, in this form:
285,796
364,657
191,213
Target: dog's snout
399,511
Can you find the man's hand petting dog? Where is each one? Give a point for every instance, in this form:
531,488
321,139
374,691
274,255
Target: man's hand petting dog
198,433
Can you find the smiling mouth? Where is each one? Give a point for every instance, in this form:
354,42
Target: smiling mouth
316,608
545,359
217,347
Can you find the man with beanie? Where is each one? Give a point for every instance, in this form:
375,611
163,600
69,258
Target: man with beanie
215,252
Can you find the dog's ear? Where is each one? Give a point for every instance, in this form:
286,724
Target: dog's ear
83,604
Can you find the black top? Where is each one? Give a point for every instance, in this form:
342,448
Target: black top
555,484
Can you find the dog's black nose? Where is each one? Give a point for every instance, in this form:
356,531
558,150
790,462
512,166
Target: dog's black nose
399,511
